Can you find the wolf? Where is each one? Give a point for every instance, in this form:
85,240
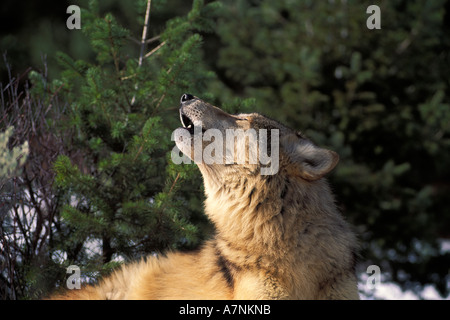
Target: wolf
278,236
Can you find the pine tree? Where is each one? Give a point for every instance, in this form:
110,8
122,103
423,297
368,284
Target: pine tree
125,197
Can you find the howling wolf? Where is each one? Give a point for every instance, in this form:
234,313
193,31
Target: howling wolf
278,235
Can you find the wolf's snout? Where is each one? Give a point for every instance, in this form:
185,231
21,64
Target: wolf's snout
186,97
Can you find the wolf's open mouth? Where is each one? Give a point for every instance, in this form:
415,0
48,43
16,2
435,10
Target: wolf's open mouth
186,122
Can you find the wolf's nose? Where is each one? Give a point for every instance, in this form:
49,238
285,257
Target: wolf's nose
186,97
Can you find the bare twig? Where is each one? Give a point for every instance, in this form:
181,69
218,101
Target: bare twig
144,31
29,204
154,50
155,38
134,40
174,183
148,54
148,41
143,42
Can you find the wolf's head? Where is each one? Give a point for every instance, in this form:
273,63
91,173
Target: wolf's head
224,145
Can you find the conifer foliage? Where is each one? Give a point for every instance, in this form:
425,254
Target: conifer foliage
380,98
124,192
120,197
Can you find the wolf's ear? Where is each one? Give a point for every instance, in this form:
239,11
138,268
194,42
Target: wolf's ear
309,161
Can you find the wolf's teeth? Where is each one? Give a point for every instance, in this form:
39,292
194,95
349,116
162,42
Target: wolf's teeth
181,119
189,126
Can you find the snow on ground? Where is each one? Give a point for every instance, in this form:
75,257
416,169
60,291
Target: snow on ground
391,291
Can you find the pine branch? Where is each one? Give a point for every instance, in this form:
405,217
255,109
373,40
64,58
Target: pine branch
163,96
116,64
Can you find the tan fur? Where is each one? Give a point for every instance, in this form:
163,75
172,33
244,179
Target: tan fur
278,236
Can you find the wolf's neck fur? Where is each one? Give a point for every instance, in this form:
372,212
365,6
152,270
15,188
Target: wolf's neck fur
252,215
